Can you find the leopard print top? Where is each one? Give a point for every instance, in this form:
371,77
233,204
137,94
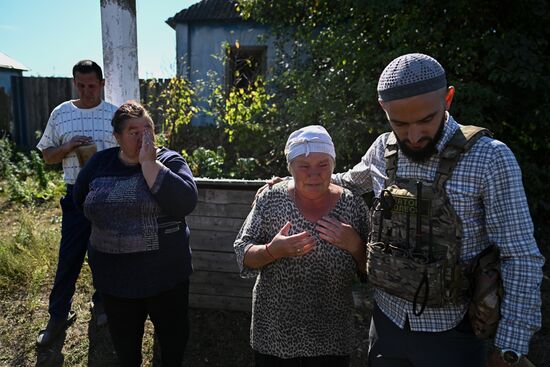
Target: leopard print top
301,306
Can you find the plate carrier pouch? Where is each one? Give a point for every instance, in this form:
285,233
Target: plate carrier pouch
486,292
417,258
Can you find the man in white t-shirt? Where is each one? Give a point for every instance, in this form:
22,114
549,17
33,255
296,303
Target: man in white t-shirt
83,122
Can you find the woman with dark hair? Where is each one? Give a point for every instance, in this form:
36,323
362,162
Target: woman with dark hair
136,197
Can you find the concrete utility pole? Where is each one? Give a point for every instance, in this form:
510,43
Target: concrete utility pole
120,61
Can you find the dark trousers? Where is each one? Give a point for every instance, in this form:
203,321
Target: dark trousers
75,234
265,360
391,346
168,313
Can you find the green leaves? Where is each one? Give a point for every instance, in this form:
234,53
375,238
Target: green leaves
496,54
177,104
24,177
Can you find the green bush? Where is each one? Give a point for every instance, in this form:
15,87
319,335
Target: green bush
234,146
496,54
205,162
24,177
213,164
177,106
326,70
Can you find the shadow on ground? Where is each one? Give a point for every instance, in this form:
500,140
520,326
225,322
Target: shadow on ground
100,349
221,339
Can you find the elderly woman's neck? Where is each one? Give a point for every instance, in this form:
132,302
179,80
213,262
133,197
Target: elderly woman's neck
314,206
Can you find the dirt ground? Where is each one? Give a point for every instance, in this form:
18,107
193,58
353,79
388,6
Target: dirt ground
217,338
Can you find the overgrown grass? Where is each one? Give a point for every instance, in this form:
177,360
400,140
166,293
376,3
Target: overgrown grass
28,249
29,241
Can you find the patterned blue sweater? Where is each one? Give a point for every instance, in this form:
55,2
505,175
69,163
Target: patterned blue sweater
139,245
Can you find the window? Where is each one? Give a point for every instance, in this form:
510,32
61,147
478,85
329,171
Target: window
244,65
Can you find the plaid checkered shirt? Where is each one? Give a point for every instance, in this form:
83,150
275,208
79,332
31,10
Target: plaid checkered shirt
487,194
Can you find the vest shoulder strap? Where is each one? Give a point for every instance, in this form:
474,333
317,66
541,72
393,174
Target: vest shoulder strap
462,140
390,154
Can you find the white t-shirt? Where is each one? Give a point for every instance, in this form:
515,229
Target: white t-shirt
67,120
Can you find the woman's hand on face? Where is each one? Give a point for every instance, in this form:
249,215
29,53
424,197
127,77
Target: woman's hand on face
338,233
284,245
148,151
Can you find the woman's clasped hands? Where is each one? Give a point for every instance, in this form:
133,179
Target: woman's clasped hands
333,231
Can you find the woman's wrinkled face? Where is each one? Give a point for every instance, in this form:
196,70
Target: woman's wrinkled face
131,136
312,174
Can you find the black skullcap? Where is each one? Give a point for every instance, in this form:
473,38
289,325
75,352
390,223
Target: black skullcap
410,75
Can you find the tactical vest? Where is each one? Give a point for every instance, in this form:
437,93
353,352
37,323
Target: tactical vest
415,238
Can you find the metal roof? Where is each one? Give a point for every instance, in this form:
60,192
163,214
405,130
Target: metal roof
206,10
7,62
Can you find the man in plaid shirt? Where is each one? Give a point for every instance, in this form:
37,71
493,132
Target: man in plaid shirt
486,192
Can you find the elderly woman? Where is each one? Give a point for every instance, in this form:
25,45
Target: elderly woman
304,240
136,198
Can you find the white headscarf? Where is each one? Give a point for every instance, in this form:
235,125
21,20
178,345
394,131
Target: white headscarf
309,139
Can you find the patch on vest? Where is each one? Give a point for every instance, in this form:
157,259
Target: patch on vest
413,256
416,257
405,204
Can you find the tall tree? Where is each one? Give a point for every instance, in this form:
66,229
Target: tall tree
496,54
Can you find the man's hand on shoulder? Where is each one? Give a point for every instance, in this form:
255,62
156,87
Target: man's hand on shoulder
272,181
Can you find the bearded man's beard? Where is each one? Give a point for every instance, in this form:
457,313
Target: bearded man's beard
422,155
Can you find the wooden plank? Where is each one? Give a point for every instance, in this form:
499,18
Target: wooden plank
34,124
225,210
215,261
44,110
41,109
229,184
230,280
5,108
212,240
54,89
29,98
219,290
226,196
212,223
220,302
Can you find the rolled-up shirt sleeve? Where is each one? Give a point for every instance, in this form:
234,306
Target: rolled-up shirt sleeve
509,226
366,175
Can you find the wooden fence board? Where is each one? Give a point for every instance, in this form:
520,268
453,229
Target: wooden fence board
40,95
215,261
220,289
221,210
212,240
214,196
220,302
230,279
227,210
213,223
5,112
